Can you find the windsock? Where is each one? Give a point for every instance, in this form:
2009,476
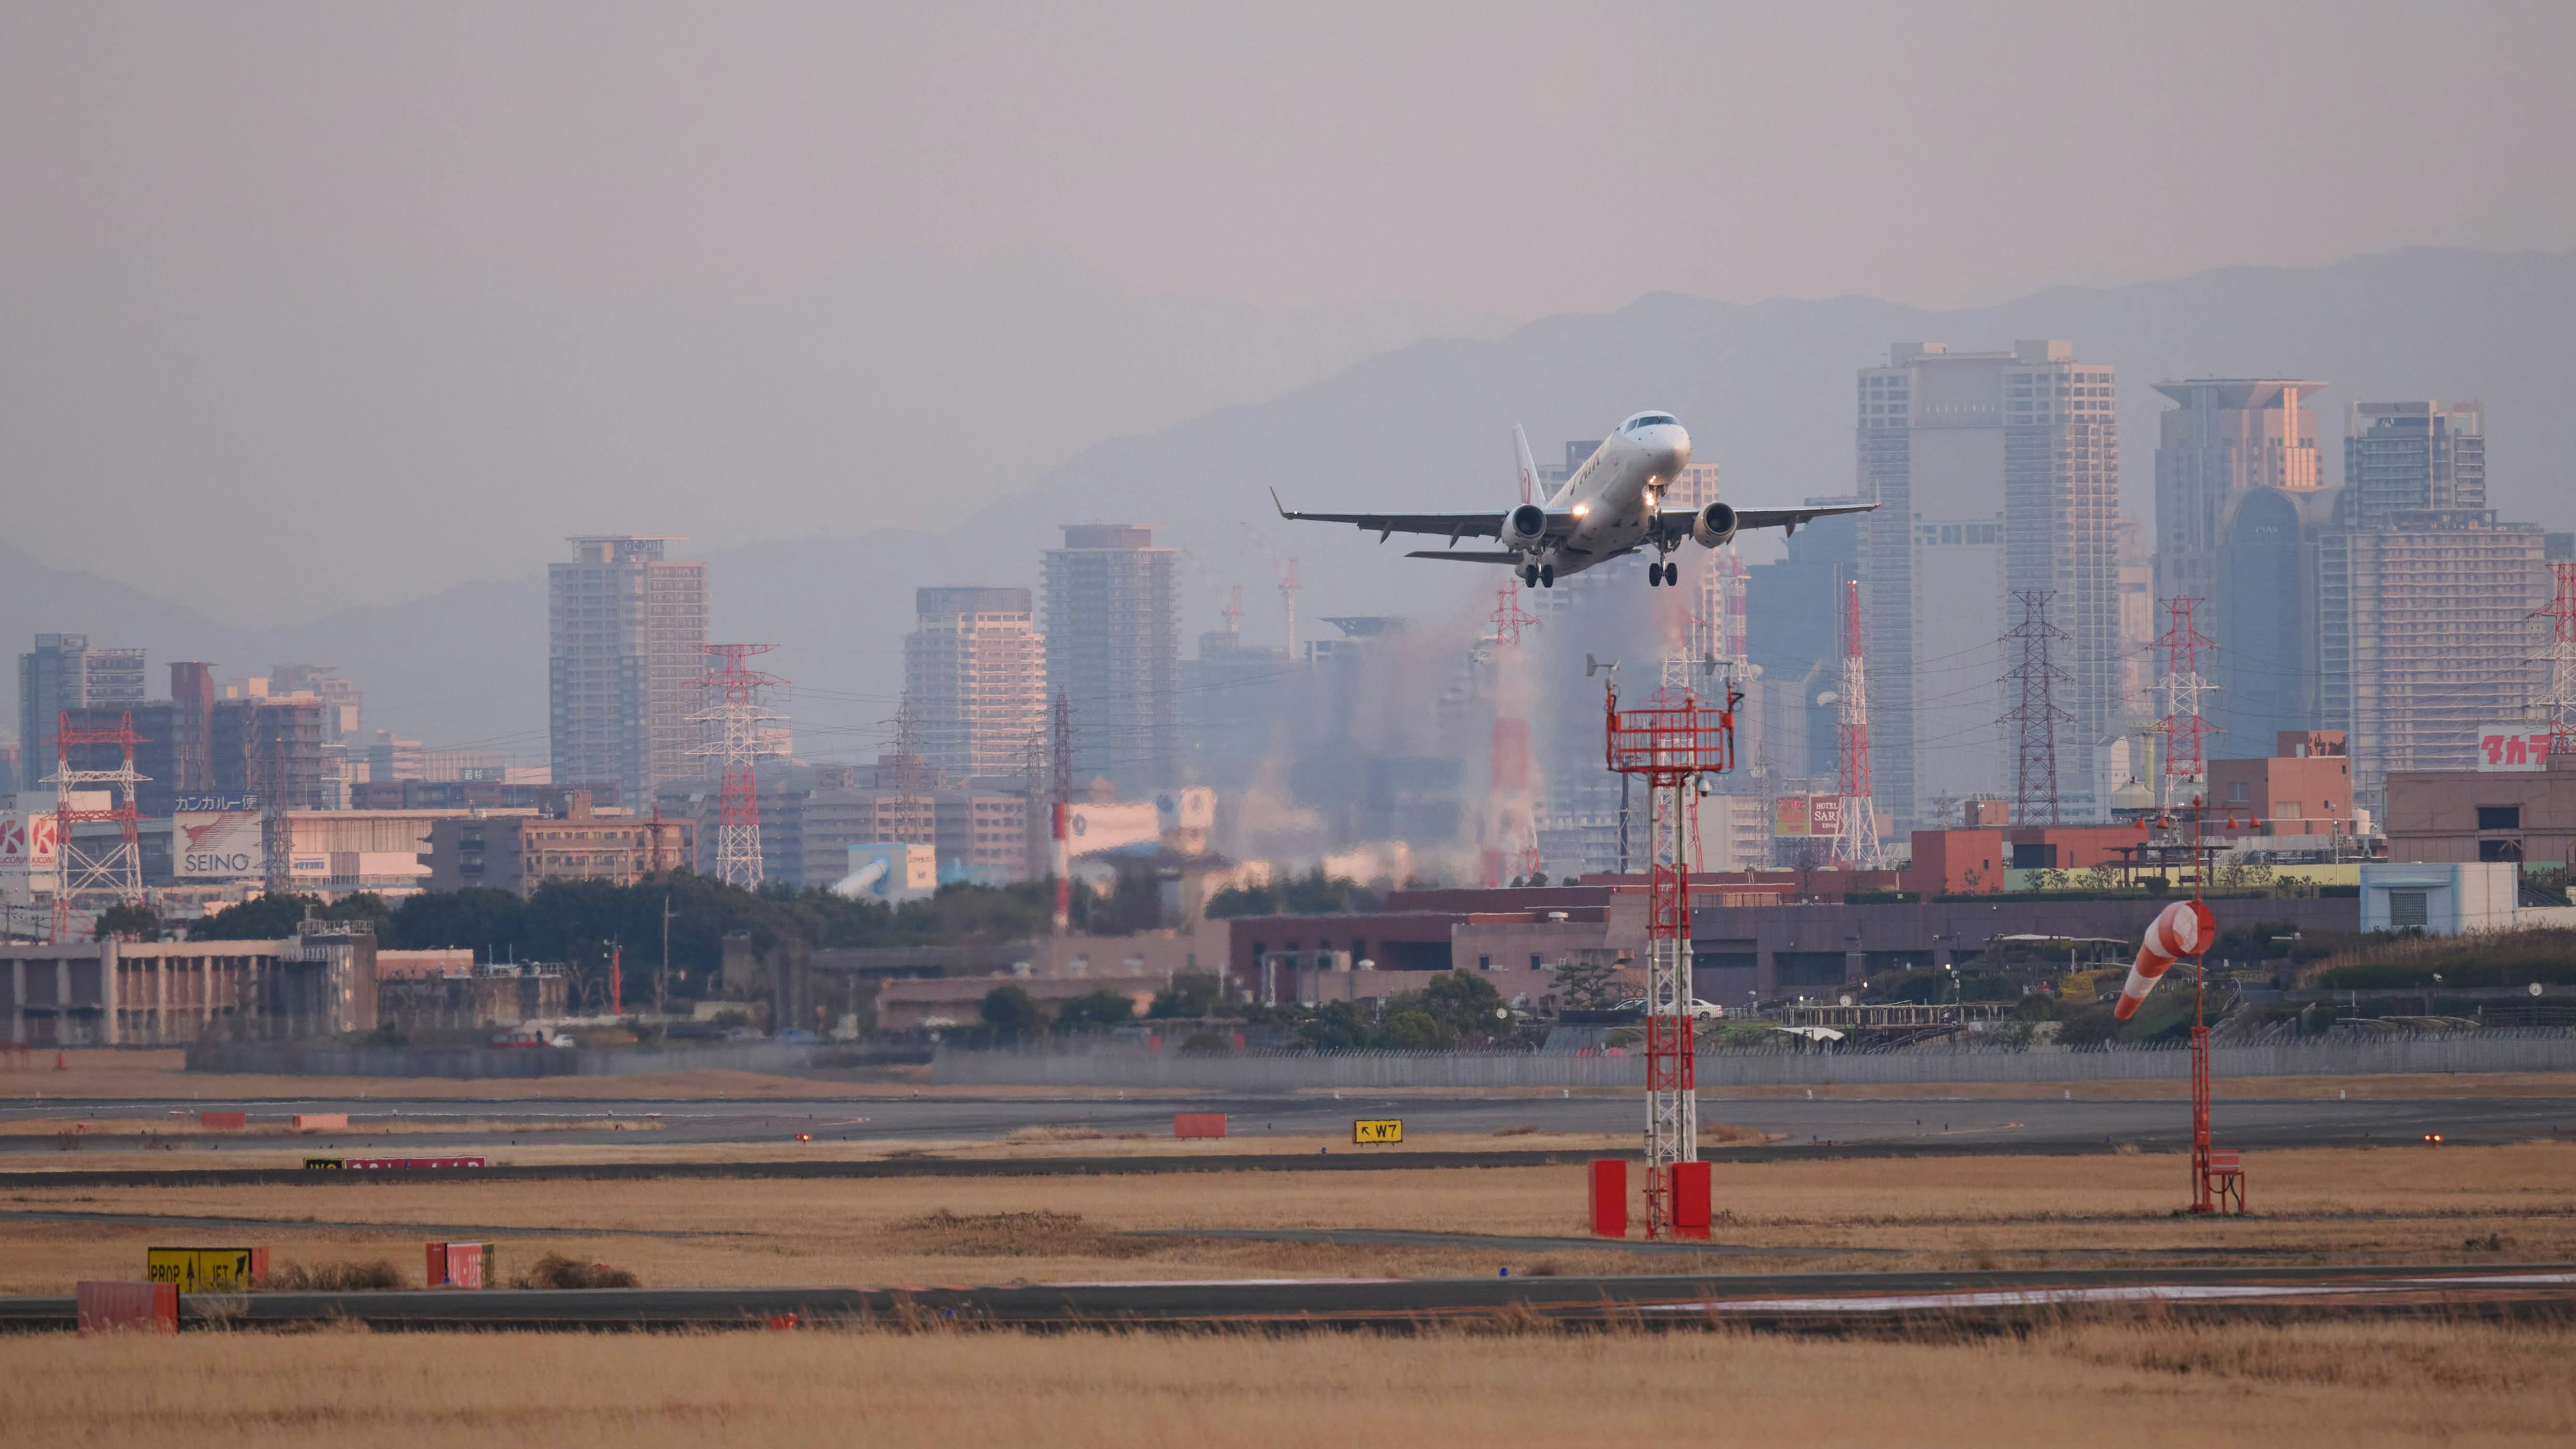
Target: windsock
2184,929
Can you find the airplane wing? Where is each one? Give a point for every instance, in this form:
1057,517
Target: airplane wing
1792,519
1473,555
1454,525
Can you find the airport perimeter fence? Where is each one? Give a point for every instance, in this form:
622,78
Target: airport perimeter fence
2538,1049
283,1059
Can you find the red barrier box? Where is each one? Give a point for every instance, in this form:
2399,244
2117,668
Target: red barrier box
1609,1197
223,1121
1691,1215
459,1265
1198,1124
108,1306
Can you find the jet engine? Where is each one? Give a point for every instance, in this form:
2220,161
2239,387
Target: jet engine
1524,527
1713,525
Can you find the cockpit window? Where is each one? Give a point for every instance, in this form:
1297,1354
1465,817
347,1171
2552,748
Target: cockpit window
1648,420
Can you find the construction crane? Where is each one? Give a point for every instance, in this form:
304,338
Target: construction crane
1287,573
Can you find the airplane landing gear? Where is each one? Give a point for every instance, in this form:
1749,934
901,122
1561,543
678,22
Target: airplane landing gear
1529,575
1661,574
1547,576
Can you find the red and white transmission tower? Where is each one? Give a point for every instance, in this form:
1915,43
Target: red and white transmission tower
1511,807
1671,743
736,745
1856,844
1060,862
2561,614
116,868
2186,762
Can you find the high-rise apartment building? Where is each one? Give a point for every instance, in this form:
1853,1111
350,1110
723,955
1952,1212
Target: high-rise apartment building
1995,472
2239,503
1113,648
974,672
2424,600
627,631
63,672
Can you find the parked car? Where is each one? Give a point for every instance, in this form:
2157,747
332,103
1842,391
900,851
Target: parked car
1699,1010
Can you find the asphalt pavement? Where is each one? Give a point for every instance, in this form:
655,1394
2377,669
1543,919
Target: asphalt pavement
1994,1124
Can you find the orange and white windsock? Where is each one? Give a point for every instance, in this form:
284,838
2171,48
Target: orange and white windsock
2185,928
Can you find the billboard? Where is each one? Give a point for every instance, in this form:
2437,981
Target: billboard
26,841
219,845
1089,828
1825,815
1790,816
2513,747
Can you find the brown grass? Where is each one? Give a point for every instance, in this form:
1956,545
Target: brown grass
2141,1382
377,1276
2409,1204
554,1270
1040,1233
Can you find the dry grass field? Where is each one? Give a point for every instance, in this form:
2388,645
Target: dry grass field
2140,1381
2409,1204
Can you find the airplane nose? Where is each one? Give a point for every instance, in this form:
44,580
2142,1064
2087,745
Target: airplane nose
1675,454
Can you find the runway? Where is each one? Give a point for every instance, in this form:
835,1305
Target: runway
1993,1124
1813,1302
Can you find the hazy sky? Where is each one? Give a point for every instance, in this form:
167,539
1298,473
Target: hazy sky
468,278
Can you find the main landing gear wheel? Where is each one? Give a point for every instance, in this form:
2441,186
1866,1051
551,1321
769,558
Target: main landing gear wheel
1547,576
1529,575
1660,574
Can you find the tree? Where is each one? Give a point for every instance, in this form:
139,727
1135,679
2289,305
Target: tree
1587,983
1414,1030
1191,994
1098,1009
1335,1026
1465,1005
1012,1013
1135,904
263,918
128,922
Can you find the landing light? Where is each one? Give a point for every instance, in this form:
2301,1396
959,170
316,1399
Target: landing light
1581,509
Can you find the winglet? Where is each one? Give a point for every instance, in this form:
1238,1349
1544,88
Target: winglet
1275,503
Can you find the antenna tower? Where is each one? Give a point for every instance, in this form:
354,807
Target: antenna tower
116,868
2561,614
1511,826
1061,813
1856,844
1671,743
2183,726
736,746
2034,714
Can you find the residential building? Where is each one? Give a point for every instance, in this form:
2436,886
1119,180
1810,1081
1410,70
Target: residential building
519,853
974,674
1113,649
1996,472
268,747
627,645
63,672
2424,599
1234,709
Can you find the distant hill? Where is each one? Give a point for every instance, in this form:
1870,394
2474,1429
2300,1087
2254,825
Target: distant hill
1766,389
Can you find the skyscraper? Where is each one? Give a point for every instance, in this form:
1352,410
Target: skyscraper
627,633
1113,648
2239,503
2424,599
62,672
1996,472
974,672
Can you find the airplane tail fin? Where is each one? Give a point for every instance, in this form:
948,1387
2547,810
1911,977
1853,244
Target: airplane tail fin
1529,465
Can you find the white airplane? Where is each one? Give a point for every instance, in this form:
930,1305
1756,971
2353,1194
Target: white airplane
1613,505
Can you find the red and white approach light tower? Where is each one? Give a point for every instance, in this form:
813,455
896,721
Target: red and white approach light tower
115,868
2186,765
1672,743
1511,803
734,743
2561,614
1856,844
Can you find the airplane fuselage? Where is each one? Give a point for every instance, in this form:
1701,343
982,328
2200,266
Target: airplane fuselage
1613,499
